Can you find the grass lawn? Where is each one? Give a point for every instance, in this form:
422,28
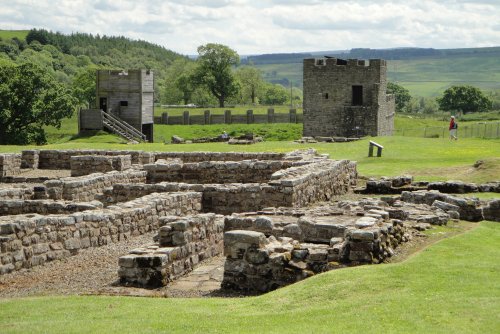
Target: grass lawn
452,286
425,158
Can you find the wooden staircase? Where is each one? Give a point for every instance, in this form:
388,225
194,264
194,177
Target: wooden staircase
122,128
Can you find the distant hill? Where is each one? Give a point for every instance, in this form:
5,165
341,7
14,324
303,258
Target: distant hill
9,34
424,71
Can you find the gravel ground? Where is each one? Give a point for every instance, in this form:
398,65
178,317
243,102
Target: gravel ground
92,270
50,173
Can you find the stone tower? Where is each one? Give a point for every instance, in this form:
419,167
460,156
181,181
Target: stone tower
347,98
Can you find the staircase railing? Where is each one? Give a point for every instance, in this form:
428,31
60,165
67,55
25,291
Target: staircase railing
121,127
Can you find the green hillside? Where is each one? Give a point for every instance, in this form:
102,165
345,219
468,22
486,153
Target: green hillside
424,74
9,34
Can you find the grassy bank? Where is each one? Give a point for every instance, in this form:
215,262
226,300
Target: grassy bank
452,286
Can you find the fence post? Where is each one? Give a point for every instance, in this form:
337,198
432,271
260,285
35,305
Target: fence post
185,117
227,116
270,115
293,116
425,132
164,118
250,116
206,118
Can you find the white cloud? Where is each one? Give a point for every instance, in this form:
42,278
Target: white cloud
266,26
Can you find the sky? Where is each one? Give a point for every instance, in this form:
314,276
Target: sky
268,26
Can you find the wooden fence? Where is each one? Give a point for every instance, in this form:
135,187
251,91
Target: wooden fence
228,118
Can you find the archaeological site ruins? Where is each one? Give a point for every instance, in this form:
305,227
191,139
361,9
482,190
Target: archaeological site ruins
276,218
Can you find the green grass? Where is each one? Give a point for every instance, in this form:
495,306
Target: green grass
9,34
450,287
426,158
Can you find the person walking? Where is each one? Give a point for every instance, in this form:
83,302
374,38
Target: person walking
453,128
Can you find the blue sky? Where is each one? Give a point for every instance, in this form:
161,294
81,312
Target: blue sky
260,26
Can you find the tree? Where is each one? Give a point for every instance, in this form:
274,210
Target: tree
251,82
401,94
214,71
275,94
464,99
83,86
29,100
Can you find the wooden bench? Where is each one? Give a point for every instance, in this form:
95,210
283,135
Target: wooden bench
378,146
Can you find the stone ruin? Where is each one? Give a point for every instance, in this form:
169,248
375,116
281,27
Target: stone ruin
270,214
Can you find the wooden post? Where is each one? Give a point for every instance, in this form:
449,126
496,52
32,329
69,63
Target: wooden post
164,118
293,116
206,119
250,116
185,118
270,115
227,116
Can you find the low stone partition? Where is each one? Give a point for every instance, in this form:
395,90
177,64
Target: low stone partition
492,210
61,159
43,207
183,243
466,209
89,187
89,164
10,164
30,240
16,193
187,157
396,185
296,186
274,247
246,171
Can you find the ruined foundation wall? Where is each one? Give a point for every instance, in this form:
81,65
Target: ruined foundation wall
10,164
88,164
89,187
31,240
61,159
43,207
16,193
218,156
248,171
183,243
295,186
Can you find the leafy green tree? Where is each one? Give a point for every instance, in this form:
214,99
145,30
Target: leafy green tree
214,71
83,86
275,95
464,99
251,82
401,94
29,100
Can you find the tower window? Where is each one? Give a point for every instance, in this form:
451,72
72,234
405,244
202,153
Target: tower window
357,95
124,103
326,96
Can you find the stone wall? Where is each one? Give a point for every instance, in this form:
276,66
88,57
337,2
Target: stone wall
30,240
10,164
183,243
295,186
43,207
279,246
219,156
61,159
89,164
16,193
89,187
246,171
